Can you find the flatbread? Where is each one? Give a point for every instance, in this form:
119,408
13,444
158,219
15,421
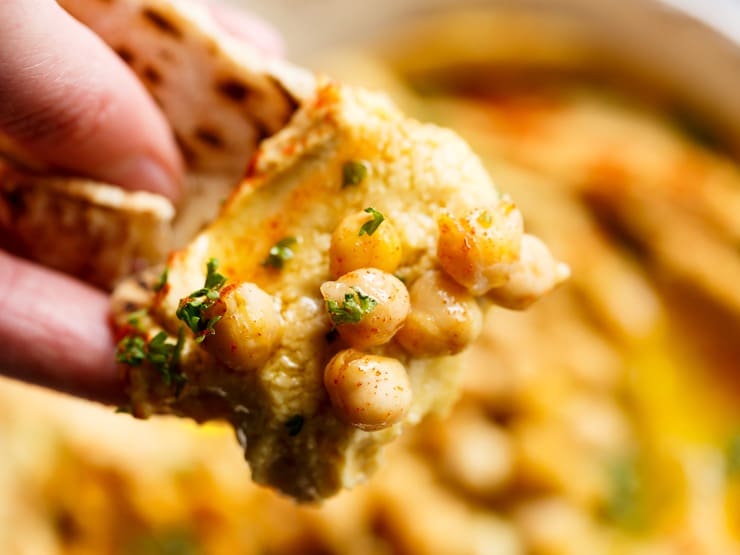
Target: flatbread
220,96
221,99
95,232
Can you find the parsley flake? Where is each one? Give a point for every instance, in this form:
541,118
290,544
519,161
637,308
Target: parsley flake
131,350
626,504
354,172
162,280
192,307
161,354
135,317
354,308
280,253
369,227
294,425
732,457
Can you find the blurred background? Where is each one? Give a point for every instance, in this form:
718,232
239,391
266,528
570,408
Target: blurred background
605,419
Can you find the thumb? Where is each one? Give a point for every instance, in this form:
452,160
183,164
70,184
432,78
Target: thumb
69,102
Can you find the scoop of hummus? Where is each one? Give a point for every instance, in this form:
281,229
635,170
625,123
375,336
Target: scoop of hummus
322,311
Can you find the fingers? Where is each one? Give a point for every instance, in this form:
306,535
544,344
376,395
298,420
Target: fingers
248,28
55,332
68,100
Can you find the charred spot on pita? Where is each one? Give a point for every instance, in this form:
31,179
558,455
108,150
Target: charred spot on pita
233,89
151,75
209,137
125,54
186,150
161,22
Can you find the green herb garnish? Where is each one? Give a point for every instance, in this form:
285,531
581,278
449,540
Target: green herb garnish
369,227
131,350
162,280
280,253
354,172
123,409
161,354
354,308
294,425
192,307
135,317
732,457
626,504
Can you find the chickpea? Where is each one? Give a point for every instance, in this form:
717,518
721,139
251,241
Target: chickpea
367,391
368,306
534,274
444,317
477,249
249,330
350,251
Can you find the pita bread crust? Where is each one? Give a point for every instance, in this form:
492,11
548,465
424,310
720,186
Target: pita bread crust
95,232
220,96
221,99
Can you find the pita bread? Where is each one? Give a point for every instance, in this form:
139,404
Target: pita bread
95,232
220,96
221,99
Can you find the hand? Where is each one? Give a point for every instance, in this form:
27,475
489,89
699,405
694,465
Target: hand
71,103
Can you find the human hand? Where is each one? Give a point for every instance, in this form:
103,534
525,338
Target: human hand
71,103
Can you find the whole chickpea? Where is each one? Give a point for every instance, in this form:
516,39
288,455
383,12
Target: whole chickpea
476,250
367,391
249,330
350,250
367,306
444,317
534,274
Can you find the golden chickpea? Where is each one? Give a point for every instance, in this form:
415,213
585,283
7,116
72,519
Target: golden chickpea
444,317
349,250
249,330
367,391
477,249
367,306
534,274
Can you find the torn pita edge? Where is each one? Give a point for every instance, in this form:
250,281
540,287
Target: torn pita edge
95,232
219,94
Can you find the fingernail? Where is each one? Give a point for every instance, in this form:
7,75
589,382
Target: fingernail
143,174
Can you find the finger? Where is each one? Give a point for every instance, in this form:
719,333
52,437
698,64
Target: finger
55,332
248,28
68,100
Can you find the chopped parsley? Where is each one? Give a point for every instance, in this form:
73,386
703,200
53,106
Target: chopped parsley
294,425
131,350
732,457
193,306
161,354
354,308
626,504
162,280
354,172
369,227
135,318
280,253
